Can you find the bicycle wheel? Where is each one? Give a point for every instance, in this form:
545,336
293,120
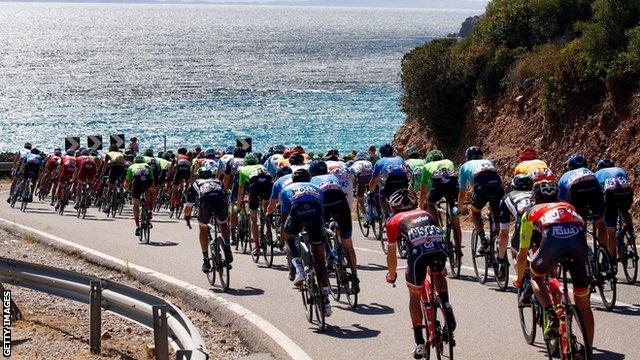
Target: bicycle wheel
383,242
528,317
360,215
223,267
255,257
307,300
454,255
480,264
337,275
266,241
629,258
374,228
606,278
318,308
577,344
503,282
348,277
444,337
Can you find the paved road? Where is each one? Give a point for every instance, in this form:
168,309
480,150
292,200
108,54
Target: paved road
488,326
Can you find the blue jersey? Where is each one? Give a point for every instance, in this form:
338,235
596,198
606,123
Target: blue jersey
272,163
612,178
280,184
298,193
572,177
471,168
388,166
32,158
327,183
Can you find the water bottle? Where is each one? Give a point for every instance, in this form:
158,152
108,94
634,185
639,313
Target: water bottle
563,323
454,211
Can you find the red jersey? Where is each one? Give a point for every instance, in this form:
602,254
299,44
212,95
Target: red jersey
86,168
52,163
416,226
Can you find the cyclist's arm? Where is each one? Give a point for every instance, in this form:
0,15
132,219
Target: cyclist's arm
526,231
424,189
505,221
392,260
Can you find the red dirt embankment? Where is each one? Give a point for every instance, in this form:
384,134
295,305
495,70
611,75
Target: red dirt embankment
503,126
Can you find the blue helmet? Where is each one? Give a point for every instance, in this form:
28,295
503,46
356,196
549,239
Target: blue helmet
283,171
577,161
318,167
605,163
361,156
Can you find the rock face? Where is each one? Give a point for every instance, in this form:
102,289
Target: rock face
468,25
503,126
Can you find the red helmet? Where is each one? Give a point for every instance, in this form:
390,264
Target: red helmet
298,149
287,153
544,174
528,154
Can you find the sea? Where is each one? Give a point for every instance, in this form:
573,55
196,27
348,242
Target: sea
321,77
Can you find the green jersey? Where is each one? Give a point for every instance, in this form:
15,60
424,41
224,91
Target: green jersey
137,170
164,164
247,172
435,168
415,165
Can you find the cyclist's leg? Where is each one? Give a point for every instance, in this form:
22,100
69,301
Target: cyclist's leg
136,193
343,217
415,274
437,262
254,202
478,202
581,283
611,210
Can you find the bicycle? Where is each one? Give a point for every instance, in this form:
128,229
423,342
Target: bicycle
361,210
439,337
16,192
218,259
482,261
344,280
243,230
311,288
569,346
84,201
627,250
601,267
534,318
145,221
454,251
267,244
376,219
64,200
25,194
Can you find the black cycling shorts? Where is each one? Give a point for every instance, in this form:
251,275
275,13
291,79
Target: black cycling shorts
139,186
116,172
336,206
162,177
31,171
555,247
306,216
487,189
587,198
182,174
418,261
259,188
394,183
362,184
616,201
446,188
213,204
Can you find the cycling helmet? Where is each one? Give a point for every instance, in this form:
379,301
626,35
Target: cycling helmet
182,151
528,154
301,175
27,145
279,149
412,152
251,159
298,149
35,151
57,153
239,153
70,153
545,191
361,156
95,153
229,150
318,168
205,172
85,152
296,159
538,175
77,153
139,160
259,156
605,163
522,182
473,153
386,150
210,154
167,156
402,200
148,152
434,155
577,161
283,171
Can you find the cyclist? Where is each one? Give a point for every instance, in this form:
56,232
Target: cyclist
579,187
345,177
426,250
274,159
512,207
85,174
618,197
390,174
231,182
528,162
371,154
283,178
487,188
67,169
557,230
255,180
181,171
212,202
301,204
30,169
139,181
224,159
17,163
414,163
154,164
50,167
335,206
439,180
115,168
362,169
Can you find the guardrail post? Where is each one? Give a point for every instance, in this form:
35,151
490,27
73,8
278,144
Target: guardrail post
183,354
160,335
95,304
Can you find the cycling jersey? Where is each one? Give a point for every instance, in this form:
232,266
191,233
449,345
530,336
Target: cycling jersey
212,200
87,168
257,182
361,168
415,167
32,164
140,176
618,195
223,161
581,189
280,184
113,155
335,201
443,170
391,174
233,166
304,204
527,166
182,169
613,178
68,167
543,220
512,207
424,240
272,163
341,171
52,163
471,170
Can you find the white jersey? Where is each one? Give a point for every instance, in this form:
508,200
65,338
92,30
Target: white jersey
340,170
362,168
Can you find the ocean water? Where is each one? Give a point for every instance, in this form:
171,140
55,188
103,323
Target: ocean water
320,77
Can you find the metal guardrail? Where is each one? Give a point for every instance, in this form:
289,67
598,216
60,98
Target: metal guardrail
5,167
123,300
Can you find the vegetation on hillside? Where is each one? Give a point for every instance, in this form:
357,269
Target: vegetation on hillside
575,51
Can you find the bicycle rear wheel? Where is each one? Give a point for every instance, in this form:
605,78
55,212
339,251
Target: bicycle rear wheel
348,277
383,242
337,275
480,264
606,279
503,282
223,267
577,344
528,317
629,258
360,211
319,302
444,337
454,255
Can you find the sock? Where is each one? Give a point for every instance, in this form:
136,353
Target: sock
418,336
297,264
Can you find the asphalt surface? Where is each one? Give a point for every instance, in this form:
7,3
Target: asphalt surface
380,328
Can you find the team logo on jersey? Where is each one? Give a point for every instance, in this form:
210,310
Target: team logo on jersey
564,232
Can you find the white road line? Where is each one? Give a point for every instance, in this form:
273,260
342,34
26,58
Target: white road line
288,345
